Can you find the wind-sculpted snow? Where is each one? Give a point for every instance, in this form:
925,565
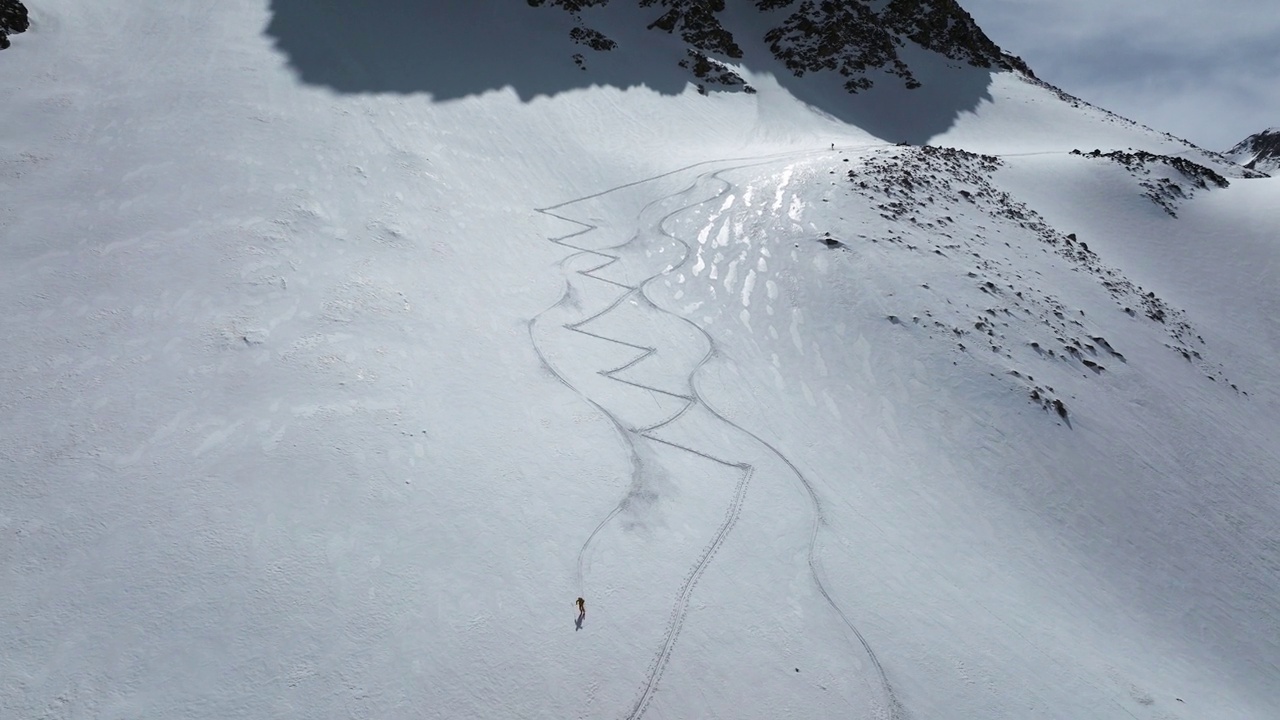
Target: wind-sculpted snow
662,368
925,268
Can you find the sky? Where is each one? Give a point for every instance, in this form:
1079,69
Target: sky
1205,71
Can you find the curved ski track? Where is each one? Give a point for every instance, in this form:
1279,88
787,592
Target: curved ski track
679,610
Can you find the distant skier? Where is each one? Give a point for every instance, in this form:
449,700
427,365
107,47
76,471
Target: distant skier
582,613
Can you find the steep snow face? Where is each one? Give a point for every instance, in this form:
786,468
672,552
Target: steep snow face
1259,152
950,351
345,347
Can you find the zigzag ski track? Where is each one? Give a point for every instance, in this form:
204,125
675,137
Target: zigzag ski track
630,435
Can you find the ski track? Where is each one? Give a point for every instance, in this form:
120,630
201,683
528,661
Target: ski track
679,610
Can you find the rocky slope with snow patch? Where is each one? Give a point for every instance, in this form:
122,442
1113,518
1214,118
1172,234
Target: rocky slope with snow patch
1259,152
858,40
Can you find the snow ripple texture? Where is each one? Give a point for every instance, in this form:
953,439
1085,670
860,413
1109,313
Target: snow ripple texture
708,186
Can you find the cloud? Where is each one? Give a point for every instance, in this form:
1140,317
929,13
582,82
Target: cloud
1204,71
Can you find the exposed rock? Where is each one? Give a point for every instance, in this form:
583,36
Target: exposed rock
1168,190
853,38
1259,152
569,5
714,72
856,39
920,189
13,19
593,39
845,37
697,24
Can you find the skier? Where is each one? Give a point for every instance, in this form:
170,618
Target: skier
582,613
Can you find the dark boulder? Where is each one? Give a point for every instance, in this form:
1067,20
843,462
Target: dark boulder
13,19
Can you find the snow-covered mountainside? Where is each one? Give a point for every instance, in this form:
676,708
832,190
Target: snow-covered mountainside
1259,152
347,344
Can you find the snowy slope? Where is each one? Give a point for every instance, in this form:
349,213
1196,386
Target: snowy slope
330,379
928,384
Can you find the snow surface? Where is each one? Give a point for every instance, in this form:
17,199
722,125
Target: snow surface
329,401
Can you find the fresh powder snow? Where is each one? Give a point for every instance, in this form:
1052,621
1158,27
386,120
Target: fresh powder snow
346,345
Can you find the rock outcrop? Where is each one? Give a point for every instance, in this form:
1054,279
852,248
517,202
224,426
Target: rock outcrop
1259,152
13,19
859,40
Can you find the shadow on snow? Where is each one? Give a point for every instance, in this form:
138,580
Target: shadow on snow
453,49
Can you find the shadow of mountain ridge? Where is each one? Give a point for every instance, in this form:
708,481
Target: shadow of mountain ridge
453,49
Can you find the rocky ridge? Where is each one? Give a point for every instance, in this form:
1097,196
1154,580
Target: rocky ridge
857,39
1259,152
1166,180
921,190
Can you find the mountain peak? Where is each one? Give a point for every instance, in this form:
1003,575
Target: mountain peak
1260,151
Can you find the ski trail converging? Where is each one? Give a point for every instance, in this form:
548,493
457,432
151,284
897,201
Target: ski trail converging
629,274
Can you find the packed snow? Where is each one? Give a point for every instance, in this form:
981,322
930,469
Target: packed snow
327,391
